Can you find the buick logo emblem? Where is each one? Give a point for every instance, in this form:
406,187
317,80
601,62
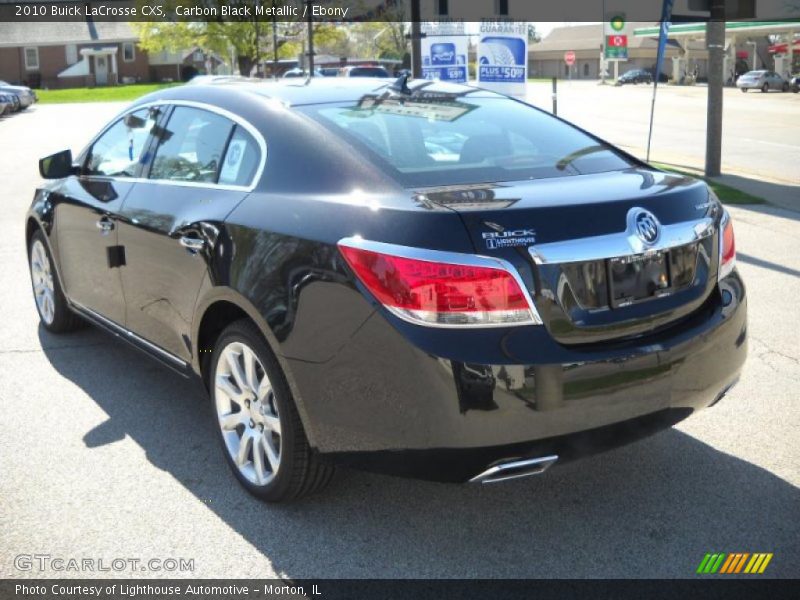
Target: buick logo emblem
647,226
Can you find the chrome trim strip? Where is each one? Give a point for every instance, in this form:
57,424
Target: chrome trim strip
530,466
455,258
251,129
624,243
128,333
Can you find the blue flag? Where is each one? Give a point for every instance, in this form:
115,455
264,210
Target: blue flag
666,15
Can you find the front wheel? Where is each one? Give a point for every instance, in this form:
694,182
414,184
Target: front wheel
744,90
260,429
765,88
785,87
54,312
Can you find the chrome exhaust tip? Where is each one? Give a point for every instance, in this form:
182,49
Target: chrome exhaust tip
514,469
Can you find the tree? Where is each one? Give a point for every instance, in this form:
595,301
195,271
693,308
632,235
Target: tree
533,35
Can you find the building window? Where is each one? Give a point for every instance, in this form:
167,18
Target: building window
71,53
32,59
501,7
128,52
444,10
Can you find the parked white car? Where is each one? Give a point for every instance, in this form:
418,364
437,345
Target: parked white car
762,80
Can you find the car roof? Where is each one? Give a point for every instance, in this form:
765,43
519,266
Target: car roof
318,90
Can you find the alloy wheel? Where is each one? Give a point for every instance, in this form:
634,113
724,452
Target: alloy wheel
247,413
42,276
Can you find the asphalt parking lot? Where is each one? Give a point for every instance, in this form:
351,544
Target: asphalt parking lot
105,454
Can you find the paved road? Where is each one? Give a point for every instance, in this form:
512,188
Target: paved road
761,132
104,454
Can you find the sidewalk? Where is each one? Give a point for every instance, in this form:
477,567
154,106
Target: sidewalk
778,193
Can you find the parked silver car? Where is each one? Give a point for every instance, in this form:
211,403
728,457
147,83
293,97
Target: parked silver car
762,80
26,95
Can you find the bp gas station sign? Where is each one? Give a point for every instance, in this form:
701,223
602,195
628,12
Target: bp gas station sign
616,38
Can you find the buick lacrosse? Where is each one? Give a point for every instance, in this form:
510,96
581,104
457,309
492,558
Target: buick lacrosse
414,278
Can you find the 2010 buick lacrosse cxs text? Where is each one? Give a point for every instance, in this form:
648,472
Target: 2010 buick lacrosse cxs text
416,278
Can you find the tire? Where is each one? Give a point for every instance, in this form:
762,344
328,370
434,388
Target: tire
765,88
54,312
785,87
251,401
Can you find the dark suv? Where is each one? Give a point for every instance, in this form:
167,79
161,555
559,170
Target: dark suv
420,279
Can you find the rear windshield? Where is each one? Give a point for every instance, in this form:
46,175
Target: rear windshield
465,139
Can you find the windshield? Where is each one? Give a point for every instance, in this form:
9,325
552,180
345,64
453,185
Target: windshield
448,140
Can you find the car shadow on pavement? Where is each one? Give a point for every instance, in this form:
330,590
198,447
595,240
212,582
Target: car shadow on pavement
651,509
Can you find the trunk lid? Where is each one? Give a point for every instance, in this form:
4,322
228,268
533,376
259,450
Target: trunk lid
575,241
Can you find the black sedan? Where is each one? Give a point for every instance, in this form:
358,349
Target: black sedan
635,76
419,279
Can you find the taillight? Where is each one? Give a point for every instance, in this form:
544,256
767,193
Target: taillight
727,246
441,289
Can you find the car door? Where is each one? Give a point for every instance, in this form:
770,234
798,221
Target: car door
203,165
86,213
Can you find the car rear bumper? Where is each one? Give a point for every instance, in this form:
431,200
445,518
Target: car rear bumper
445,404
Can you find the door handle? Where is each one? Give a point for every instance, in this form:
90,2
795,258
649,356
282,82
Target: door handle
105,225
192,244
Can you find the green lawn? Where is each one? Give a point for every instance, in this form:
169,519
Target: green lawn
726,193
120,93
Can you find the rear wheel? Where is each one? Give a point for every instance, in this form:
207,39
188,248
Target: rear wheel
260,429
744,90
785,87
54,312
765,88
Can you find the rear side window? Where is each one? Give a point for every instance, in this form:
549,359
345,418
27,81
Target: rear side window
118,151
191,146
425,140
241,159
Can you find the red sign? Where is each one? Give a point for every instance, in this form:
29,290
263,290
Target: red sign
569,57
617,41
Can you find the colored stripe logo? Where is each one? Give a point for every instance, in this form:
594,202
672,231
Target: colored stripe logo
735,562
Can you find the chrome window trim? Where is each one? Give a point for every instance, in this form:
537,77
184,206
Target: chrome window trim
455,258
236,119
624,243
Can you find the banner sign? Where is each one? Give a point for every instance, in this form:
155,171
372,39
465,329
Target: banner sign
444,51
503,57
615,37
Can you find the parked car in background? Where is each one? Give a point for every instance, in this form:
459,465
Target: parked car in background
762,80
26,95
420,279
364,72
636,76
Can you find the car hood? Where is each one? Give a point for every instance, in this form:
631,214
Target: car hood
15,89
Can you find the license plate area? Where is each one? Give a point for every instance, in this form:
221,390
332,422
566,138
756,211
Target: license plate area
638,277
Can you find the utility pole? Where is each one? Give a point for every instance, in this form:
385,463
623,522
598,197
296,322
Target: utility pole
310,39
274,43
715,41
258,41
416,40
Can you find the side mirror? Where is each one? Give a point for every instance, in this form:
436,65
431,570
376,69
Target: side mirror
57,166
